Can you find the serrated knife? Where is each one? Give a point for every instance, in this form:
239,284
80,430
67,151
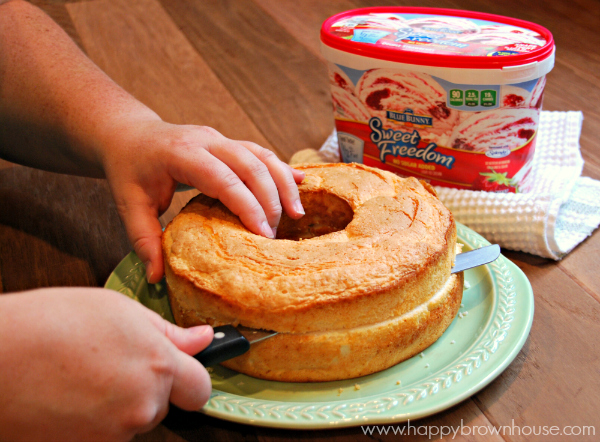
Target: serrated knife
230,341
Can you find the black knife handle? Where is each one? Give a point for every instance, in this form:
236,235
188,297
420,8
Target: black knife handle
227,344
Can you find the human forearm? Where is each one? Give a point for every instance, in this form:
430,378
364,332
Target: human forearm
67,116
56,106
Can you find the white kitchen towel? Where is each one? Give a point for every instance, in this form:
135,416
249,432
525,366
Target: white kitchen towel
560,211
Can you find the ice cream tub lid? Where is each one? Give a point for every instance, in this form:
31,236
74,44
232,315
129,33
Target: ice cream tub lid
441,38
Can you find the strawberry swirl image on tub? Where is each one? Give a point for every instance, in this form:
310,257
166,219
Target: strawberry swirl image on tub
500,39
515,31
444,25
500,128
515,96
384,21
382,90
338,78
537,94
347,106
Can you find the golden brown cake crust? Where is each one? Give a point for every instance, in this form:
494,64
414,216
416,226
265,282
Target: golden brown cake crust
394,250
345,354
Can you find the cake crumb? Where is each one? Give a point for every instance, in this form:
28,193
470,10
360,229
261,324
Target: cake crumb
462,305
422,355
460,315
452,342
466,285
356,387
209,369
465,313
398,382
340,391
426,365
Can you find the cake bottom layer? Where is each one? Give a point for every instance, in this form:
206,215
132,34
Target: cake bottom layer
345,354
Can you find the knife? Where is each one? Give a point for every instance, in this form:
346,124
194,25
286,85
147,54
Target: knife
230,341
475,258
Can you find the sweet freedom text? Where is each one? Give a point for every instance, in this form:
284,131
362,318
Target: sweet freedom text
405,144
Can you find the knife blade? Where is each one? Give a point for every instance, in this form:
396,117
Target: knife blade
230,341
475,258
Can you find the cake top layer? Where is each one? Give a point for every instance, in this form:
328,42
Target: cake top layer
365,231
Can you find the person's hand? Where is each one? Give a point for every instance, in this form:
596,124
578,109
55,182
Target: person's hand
144,160
92,364
99,130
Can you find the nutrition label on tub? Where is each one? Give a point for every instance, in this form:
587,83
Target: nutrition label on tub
471,97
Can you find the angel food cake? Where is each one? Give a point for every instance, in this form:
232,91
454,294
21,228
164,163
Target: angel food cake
360,283
428,80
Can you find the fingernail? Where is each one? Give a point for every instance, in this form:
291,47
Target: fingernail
298,207
267,230
200,330
148,271
274,229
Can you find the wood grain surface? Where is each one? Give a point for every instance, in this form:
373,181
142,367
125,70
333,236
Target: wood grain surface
252,69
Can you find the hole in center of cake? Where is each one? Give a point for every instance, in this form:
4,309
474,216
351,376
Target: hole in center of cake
325,213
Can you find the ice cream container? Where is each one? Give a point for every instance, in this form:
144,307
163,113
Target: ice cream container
451,97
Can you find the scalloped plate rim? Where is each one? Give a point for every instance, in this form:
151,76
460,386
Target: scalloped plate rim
492,368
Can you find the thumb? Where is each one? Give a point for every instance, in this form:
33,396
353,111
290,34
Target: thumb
145,232
191,386
189,340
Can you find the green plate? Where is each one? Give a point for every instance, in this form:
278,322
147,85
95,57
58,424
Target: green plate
492,325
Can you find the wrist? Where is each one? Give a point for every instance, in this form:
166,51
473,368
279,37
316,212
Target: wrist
118,135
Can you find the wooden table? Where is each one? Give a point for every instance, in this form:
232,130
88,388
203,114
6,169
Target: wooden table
252,70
